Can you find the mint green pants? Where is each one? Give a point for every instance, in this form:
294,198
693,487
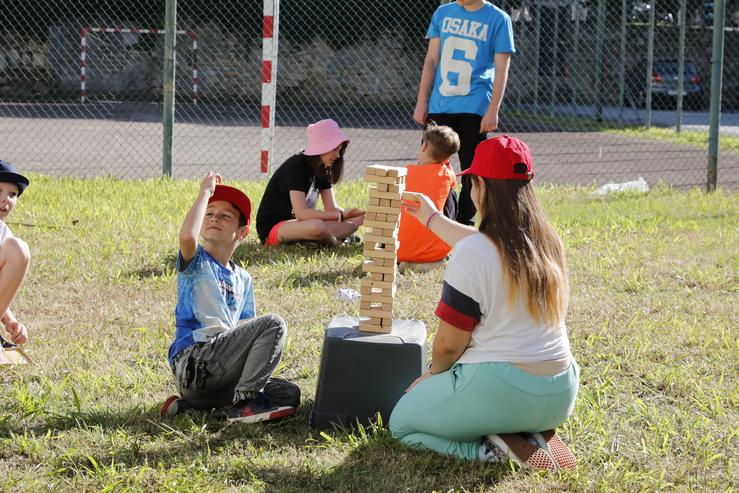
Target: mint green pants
451,412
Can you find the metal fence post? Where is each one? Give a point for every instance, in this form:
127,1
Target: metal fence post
599,61
680,67
622,63
714,119
650,62
576,56
555,64
537,54
520,44
170,28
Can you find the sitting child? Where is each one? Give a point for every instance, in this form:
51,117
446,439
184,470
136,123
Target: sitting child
288,211
420,249
14,254
223,355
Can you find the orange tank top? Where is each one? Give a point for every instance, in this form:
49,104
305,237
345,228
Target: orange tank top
418,244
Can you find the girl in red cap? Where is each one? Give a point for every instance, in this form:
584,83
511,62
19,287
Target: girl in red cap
14,254
502,376
288,213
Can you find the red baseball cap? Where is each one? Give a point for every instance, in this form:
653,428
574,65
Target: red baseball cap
235,197
502,158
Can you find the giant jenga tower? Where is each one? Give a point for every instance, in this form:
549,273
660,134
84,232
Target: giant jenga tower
381,247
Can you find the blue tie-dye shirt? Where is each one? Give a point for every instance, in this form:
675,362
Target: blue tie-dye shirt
210,299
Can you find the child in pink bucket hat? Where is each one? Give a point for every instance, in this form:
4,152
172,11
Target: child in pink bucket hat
287,212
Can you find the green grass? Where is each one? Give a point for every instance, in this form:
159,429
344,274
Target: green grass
691,137
652,322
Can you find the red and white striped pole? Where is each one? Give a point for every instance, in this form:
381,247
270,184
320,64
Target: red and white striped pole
194,36
83,63
270,29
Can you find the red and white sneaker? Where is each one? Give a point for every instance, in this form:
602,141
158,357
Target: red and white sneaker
173,406
526,455
556,448
255,411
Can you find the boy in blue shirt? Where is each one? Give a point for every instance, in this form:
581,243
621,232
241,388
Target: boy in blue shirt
464,78
222,355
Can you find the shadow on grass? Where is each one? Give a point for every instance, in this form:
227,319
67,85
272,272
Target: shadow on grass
137,437
257,255
380,463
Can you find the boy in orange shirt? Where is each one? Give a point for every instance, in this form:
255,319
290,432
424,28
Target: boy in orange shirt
433,176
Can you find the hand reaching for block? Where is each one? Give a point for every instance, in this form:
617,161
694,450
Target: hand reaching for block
418,206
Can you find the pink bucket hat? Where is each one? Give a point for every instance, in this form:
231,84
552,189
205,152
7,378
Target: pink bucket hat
324,136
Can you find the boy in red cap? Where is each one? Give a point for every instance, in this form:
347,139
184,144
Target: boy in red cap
14,254
223,355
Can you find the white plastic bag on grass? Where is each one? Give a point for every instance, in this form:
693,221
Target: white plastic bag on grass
639,185
347,294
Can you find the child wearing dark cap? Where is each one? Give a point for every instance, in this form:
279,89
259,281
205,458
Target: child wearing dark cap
14,254
223,355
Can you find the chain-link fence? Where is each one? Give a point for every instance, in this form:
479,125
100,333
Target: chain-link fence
81,85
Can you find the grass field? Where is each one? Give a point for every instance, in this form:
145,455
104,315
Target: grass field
652,322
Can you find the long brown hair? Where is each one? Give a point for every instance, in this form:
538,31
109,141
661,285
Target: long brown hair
337,169
532,251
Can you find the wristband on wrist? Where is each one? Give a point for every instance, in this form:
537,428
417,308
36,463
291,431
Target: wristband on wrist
431,218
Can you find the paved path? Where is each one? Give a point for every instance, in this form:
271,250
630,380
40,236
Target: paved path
128,149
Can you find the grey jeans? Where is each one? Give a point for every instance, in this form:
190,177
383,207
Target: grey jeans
233,366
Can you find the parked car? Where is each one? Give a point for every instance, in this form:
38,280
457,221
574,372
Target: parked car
664,85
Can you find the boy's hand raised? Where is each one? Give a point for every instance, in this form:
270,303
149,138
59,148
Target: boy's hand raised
210,181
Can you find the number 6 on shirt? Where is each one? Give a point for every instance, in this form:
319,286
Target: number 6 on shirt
462,68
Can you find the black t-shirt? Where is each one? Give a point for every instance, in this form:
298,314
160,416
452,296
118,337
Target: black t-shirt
294,174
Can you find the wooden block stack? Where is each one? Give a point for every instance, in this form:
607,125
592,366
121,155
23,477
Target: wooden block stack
380,247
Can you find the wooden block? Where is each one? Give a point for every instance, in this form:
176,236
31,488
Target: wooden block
376,170
380,187
380,217
374,201
378,209
366,326
378,242
377,224
371,266
376,305
384,195
395,203
14,356
383,202
376,313
379,284
396,188
375,253
379,297
370,215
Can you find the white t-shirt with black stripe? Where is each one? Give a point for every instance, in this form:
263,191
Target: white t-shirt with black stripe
475,298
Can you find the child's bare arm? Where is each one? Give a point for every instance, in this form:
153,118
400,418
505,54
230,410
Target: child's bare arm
419,206
190,229
17,330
